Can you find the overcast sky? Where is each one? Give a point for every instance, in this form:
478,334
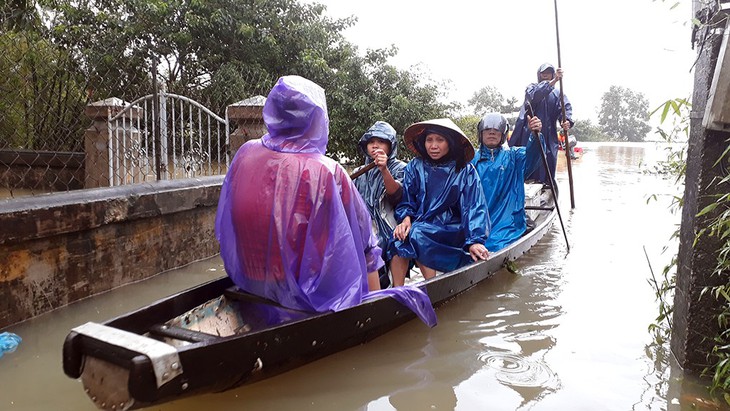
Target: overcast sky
640,44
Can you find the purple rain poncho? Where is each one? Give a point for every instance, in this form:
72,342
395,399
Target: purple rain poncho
291,225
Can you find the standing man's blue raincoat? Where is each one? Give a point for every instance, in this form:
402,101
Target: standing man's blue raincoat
446,204
502,172
291,225
372,187
545,100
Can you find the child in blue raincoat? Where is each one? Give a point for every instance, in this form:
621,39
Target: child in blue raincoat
443,214
382,187
502,171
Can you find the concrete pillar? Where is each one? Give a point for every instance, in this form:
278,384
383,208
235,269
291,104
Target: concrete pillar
695,316
107,143
247,121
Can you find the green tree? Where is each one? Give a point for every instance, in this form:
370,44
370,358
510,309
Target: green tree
624,114
468,124
367,89
585,130
42,102
489,99
221,51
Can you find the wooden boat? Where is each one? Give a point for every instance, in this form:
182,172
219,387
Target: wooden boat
212,337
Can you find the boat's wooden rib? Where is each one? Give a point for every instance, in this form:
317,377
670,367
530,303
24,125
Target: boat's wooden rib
222,337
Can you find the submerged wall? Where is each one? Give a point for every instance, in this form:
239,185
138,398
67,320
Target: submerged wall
695,313
60,248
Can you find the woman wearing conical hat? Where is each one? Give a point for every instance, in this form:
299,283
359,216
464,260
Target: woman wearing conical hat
443,219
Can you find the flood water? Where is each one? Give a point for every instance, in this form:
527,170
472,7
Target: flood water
568,332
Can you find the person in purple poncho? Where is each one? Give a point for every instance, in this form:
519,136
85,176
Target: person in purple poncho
291,225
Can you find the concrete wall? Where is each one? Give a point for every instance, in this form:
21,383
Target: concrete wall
41,170
60,248
695,315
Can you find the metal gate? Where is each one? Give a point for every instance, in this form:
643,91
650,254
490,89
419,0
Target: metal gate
166,136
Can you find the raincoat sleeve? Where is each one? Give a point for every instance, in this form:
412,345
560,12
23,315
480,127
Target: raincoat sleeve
411,184
537,92
373,253
568,110
475,217
517,138
531,157
397,171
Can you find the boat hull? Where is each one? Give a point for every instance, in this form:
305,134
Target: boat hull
228,352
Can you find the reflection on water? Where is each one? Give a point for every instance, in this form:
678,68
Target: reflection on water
569,332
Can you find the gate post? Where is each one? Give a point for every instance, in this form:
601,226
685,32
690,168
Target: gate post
104,164
247,116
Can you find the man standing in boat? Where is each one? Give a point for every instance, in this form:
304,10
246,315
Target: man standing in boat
382,187
502,171
291,225
545,101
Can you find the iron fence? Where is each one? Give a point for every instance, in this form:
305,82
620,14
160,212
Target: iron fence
71,118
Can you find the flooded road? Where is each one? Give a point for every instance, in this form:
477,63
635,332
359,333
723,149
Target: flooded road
567,332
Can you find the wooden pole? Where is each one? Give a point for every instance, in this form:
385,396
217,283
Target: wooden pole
536,135
562,105
362,171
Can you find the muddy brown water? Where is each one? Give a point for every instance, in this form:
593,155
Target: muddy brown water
568,332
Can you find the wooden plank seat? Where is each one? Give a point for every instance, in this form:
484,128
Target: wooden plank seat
183,334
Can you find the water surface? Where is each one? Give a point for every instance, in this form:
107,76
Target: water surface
568,332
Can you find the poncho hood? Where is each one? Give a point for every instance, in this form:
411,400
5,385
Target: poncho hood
295,114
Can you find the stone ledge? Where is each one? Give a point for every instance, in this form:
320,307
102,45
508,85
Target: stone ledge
36,217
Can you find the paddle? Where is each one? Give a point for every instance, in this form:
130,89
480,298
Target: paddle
362,171
562,105
528,110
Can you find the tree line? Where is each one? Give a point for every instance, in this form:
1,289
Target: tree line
59,55
623,115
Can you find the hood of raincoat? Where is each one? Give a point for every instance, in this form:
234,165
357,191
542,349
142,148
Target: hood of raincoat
295,114
543,67
381,130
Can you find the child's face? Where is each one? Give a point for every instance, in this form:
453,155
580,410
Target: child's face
436,146
376,145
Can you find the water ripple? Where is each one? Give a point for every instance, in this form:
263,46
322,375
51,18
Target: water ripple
515,370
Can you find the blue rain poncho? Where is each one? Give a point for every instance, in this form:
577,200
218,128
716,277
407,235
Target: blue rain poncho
502,172
291,225
9,342
372,187
545,100
448,214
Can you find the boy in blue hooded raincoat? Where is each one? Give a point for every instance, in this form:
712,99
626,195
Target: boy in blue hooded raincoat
382,187
545,100
291,225
502,171
443,215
